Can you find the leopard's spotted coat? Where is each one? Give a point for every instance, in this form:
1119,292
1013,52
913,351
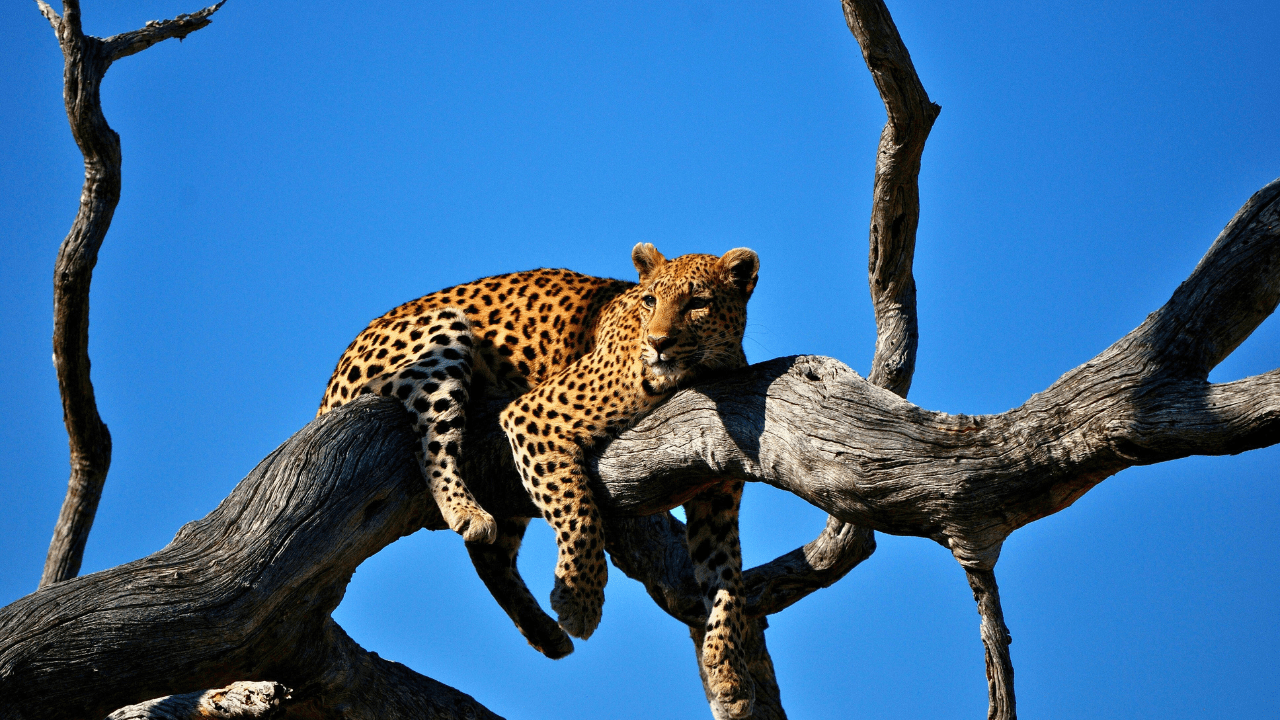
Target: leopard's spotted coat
583,358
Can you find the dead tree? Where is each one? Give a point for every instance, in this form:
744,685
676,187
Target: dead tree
246,593
87,59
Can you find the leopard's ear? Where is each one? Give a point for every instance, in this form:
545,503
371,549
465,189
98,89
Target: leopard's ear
741,267
647,259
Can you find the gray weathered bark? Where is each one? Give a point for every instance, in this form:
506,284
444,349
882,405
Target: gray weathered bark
246,593
237,701
87,59
895,197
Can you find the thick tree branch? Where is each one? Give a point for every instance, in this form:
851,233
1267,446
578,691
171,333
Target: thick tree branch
813,427
244,594
87,59
1196,418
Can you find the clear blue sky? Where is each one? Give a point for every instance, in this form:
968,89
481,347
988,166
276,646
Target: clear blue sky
296,169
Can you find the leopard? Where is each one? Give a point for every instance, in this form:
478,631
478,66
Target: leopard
581,359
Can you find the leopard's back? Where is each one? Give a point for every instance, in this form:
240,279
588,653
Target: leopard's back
526,327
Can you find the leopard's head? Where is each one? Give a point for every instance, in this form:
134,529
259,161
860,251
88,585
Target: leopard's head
693,310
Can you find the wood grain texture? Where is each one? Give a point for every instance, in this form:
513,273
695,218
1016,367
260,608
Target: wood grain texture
895,196
243,594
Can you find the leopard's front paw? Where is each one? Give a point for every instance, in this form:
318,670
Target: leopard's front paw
577,608
728,678
472,523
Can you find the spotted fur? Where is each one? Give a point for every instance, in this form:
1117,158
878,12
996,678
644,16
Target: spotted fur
583,358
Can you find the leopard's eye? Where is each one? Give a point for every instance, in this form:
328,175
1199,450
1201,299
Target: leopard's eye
649,301
697,303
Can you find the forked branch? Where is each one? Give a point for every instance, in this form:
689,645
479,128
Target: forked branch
87,59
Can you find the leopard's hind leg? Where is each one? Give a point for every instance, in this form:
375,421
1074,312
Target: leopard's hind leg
435,387
712,533
496,565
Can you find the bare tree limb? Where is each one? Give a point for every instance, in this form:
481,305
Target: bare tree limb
895,207
995,640
237,701
1231,291
777,585
87,60
813,427
244,594
125,44
51,15
652,550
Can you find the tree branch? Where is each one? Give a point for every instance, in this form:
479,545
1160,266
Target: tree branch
244,594
234,702
86,62
895,206
125,44
995,640
652,550
1231,291
51,15
814,427
777,585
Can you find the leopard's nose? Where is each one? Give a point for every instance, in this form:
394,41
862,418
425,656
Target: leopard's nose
661,342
